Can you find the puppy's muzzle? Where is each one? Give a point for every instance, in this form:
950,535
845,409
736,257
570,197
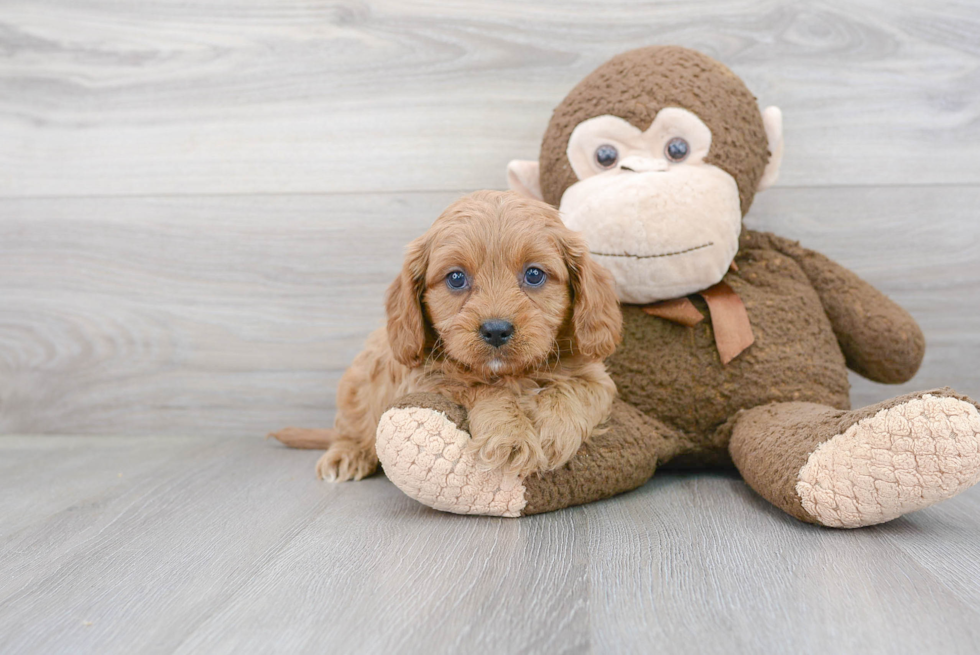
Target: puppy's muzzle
497,332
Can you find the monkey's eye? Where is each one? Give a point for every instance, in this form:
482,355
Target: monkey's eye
606,155
456,280
534,276
677,149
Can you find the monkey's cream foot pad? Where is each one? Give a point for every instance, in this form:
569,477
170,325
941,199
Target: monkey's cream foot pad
424,454
898,461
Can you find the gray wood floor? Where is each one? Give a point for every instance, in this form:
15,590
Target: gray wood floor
200,206
223,545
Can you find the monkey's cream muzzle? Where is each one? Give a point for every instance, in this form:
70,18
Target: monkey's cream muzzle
663,233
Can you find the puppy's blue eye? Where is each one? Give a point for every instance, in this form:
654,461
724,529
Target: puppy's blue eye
534,277
456,280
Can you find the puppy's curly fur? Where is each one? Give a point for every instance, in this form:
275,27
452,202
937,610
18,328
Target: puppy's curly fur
533,400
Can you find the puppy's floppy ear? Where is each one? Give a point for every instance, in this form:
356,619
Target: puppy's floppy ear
597,322
408,334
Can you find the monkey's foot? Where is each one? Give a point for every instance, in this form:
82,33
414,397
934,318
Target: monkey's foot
899,460
423,452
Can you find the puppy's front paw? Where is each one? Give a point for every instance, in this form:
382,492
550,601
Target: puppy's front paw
560,439
519,452
347,460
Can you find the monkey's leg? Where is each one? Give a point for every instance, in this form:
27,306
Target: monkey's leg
421,444
848,469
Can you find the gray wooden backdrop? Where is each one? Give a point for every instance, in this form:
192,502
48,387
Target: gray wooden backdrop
201,203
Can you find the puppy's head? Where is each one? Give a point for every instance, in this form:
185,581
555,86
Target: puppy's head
499,284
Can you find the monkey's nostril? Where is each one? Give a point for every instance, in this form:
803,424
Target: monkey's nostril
497,332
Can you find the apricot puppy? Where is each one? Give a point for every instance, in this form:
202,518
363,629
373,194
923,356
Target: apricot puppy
500,308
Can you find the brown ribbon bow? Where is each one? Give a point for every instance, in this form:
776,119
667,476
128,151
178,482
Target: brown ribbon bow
729,320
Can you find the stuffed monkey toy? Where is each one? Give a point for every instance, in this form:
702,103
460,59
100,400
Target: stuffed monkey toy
736,343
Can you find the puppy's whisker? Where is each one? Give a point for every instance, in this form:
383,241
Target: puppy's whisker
432,353
557,355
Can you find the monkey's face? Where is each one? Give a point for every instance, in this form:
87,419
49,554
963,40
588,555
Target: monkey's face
660,219
655,157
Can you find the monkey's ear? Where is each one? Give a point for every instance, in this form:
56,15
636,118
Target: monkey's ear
523,176
772,119
407,330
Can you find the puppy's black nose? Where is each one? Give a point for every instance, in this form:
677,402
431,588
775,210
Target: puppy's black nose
497,332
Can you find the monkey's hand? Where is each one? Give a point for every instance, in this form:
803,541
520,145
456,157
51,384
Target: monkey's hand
879,339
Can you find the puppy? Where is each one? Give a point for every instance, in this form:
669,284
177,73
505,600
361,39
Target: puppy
500,308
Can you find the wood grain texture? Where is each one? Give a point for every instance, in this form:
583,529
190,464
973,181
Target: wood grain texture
251,307
800,589
236,96
200,207
212,545
237,316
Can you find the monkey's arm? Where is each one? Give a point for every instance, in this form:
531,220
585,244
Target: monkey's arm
422,444
880,340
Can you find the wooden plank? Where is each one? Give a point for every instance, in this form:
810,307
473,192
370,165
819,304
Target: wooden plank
141,314
701,564
939,536
231,545
134,568
321,96
65,472
410,580
236,316
160,568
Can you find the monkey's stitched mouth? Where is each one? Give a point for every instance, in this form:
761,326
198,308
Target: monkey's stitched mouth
663,254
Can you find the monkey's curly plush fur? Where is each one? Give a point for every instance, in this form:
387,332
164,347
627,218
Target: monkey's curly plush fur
656,157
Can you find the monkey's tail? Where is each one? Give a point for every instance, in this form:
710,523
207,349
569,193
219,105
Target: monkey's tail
305,438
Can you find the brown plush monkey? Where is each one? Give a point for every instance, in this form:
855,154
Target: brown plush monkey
736,343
